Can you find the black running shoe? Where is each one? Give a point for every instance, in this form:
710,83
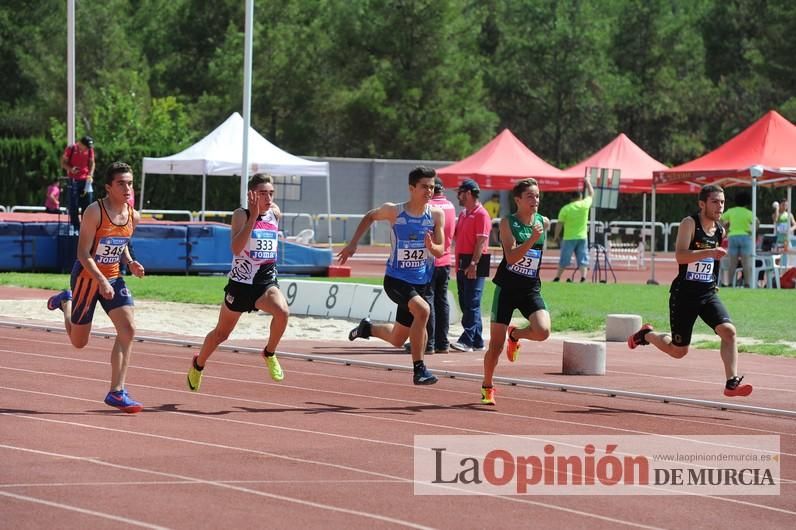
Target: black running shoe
639,338
362,331
423,376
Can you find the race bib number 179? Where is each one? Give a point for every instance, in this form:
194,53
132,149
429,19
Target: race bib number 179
700,271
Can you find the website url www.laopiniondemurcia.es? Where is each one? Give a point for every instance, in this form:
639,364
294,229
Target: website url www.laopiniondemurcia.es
596,465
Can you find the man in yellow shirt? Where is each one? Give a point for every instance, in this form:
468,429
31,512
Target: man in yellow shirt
738,222
575,217
492,207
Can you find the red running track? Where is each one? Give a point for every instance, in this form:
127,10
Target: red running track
331,446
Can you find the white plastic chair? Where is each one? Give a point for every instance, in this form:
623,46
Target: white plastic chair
304,237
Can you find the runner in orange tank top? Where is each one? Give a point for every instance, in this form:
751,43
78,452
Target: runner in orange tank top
105,233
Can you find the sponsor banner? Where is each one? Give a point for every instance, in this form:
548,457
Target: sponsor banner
597,465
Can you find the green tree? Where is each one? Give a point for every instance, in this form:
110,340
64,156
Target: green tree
551,81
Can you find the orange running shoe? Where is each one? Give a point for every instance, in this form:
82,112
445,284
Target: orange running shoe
488,395
512,346
734,388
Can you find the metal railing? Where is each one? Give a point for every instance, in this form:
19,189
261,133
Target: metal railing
642,228
186,213
21,208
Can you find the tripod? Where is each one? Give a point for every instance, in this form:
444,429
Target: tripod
600,273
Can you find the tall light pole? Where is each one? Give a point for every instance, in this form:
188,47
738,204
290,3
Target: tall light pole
70,72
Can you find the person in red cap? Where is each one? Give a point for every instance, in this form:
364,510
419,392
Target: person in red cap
471,237
78,162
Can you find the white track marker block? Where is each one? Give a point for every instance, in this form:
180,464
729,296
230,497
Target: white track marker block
619,327
582,357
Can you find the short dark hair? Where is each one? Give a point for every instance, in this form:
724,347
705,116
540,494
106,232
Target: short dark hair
421,172
260,178
116,168
87,140
520,187
707,189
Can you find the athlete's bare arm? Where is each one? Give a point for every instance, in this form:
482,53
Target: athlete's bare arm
386,212
436,244
682,254
88,229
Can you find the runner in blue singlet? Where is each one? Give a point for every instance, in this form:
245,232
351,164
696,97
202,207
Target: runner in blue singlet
416,239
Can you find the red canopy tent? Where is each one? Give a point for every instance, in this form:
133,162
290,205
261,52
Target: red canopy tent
636,166
503,162
764,154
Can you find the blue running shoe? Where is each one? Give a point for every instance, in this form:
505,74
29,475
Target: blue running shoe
122,401
423,376
57,300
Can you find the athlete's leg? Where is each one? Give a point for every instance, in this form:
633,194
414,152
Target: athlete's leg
418,335
273,301
729,348
227,320
663,341
497,336
124,321
78,333
538,328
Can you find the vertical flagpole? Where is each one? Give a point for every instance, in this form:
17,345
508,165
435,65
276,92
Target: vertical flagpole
652,280
755,172
70,72
247,102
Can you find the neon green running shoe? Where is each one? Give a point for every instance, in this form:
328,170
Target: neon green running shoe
274,368
194,377
488,396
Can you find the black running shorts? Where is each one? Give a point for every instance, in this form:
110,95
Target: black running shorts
684,310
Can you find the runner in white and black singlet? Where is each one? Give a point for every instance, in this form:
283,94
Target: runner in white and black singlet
522,235
416,238
694,294
252,279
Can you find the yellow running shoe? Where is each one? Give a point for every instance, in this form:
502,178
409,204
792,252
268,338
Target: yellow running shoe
512,346
194,377
488,396
274,368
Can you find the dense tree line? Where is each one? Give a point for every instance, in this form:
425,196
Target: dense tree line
426,79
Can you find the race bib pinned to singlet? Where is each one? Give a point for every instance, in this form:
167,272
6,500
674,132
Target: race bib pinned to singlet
411,254
529,264
109,250
263,245
700,271
782,228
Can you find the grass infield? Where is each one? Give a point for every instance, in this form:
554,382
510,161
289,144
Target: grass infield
763,317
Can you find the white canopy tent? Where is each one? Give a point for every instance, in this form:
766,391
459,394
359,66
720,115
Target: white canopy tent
220,153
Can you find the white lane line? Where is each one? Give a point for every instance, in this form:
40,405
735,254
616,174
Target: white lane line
233,487
290,499
71,508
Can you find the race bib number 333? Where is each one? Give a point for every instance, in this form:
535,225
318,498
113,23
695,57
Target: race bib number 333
263,245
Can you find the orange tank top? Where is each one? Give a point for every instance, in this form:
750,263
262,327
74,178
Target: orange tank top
110,242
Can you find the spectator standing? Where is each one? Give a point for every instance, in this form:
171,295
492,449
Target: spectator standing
437,291
472,233
738,223
574,217
52,204
493,209
78,162
784,226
